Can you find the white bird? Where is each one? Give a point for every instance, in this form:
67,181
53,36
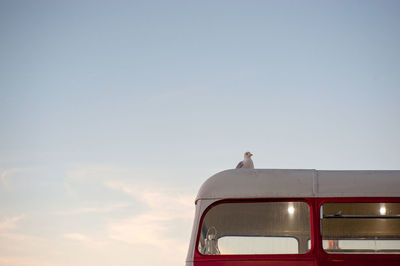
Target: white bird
247,161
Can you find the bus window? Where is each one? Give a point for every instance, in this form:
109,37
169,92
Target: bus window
361,227
256,228
258,245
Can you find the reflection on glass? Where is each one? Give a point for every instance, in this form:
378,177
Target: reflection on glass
291,209
382,210
361,227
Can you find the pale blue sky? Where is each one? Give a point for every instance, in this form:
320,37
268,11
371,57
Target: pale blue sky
110,108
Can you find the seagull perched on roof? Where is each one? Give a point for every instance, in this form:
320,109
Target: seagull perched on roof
247,161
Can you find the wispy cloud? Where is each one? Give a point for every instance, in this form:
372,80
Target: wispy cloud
163,199
85,240
8,228
163,215
167,212
6,174
10,223
100,209
19,261
12,242
101,172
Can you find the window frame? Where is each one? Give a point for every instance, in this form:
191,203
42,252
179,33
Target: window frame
346,255
308,255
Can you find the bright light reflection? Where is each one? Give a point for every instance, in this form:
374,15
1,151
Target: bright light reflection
382,210
291,209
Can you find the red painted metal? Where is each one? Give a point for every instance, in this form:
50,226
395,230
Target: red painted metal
316,256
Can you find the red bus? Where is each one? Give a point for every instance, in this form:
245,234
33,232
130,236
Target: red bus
254,217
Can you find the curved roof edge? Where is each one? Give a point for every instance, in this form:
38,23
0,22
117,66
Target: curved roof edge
280,183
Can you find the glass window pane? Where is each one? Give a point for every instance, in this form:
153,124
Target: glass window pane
361,227
256,228
257,245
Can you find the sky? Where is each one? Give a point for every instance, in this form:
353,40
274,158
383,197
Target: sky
113,113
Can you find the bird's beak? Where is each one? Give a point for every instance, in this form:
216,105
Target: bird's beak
251,154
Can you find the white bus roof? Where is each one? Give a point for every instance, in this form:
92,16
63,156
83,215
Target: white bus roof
277,183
